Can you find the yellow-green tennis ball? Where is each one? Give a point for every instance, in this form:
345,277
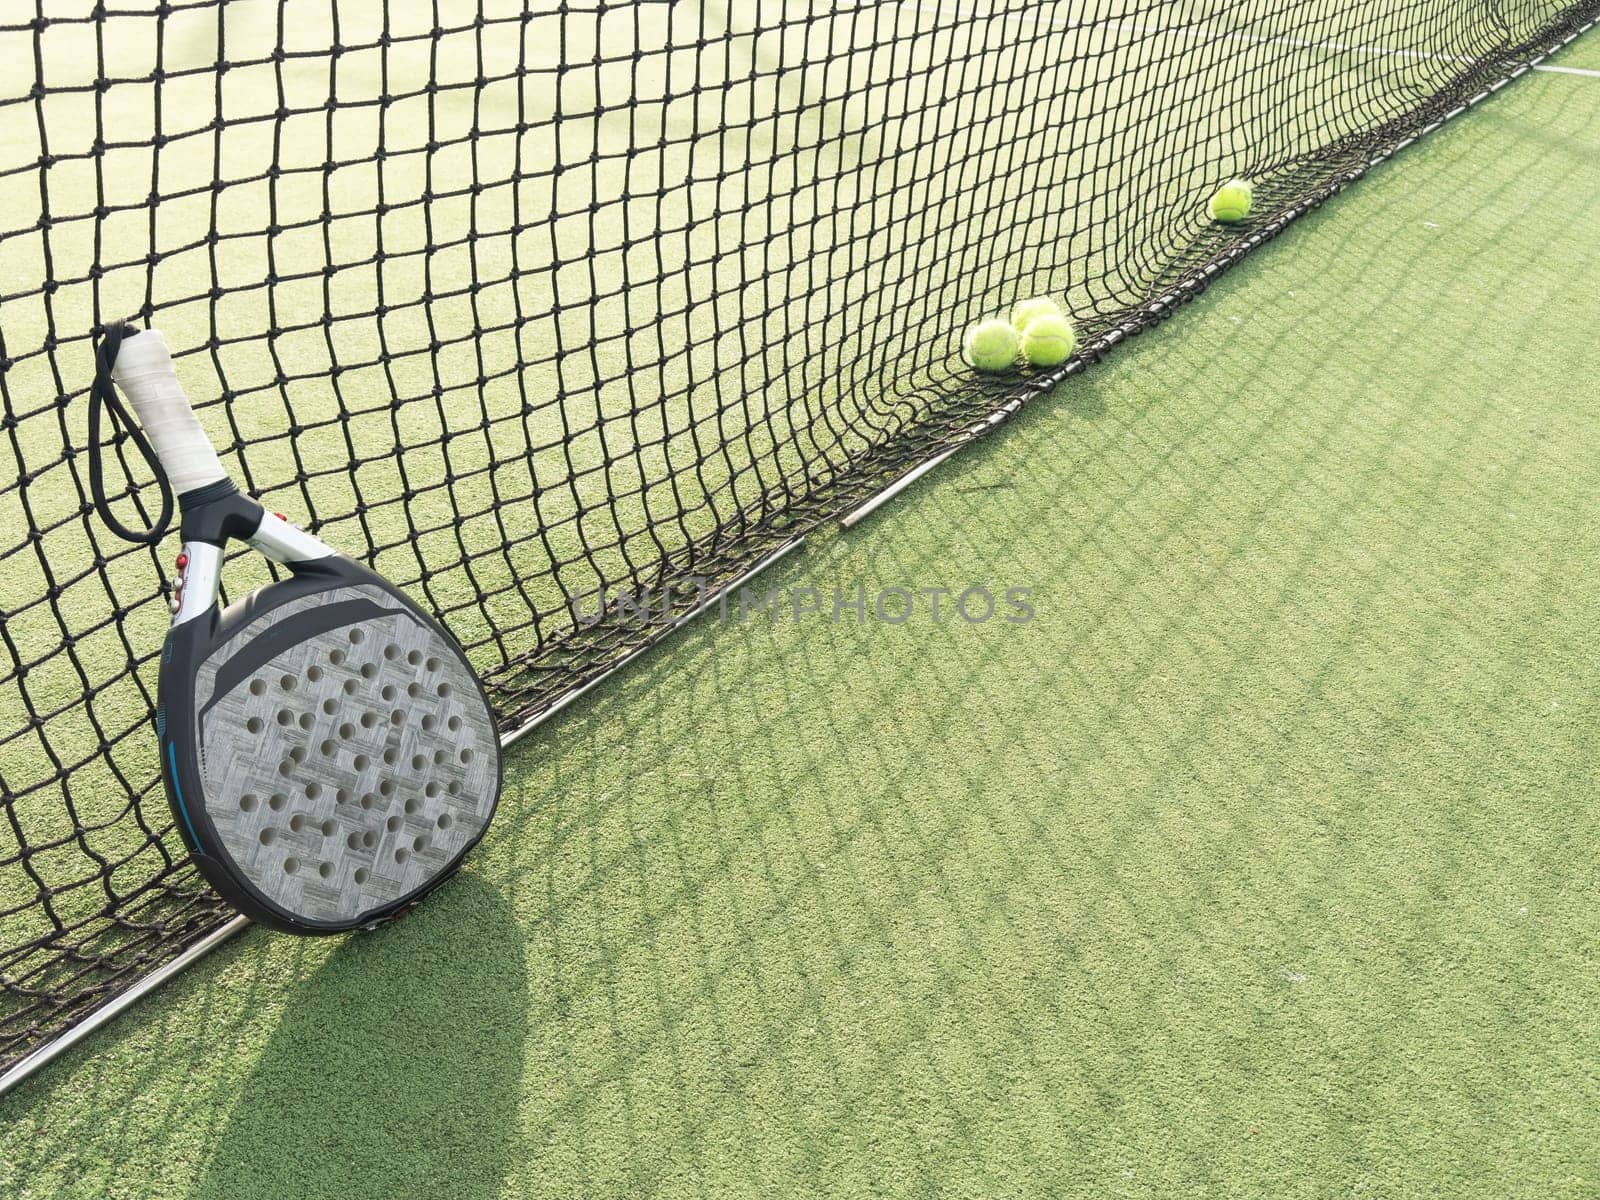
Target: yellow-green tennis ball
1231,202
990,345
1039,306
1049,341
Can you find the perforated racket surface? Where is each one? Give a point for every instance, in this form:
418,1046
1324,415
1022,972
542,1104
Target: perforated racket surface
344,757
328,752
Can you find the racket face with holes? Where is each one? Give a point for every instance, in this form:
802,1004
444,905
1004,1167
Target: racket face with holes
331,756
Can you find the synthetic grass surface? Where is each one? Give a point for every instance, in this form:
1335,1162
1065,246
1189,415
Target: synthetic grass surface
715,254
1260,863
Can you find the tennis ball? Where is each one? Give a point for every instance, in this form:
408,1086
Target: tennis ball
990,345
1231,202
1039,306
1049,341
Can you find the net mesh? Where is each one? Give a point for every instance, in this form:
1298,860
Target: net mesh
528,309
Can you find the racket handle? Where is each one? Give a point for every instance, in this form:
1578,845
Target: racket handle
143,370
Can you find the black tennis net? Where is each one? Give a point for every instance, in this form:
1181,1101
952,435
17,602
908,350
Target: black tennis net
528,310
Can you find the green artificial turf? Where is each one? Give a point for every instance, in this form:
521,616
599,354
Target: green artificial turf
1260,863
1583,55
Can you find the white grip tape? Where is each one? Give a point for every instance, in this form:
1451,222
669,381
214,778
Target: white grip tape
143,370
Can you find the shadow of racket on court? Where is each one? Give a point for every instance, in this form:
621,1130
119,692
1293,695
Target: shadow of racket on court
397,1068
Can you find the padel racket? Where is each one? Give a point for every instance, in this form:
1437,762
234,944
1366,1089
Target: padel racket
328,752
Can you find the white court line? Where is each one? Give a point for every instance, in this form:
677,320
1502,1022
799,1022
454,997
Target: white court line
1217,36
